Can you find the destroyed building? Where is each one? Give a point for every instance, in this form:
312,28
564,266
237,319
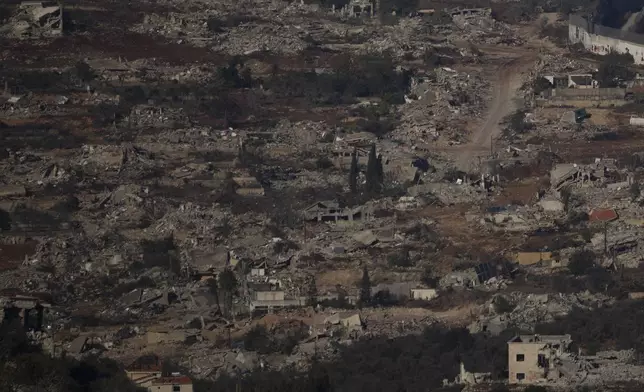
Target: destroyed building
29,310
268,297
533,358
360,8
36,19
330,211
572,81
571,174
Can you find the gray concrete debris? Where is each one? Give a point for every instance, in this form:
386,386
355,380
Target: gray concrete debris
366,237
35,19
12,191
551,205
531,309
78,345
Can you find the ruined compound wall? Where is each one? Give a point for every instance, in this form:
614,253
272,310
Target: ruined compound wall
602,40
585,93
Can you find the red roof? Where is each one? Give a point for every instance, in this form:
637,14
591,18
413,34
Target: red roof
602,215
183,380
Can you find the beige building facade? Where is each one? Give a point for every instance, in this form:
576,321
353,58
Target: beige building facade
532,358
171,384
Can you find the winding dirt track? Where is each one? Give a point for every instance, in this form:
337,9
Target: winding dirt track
502,103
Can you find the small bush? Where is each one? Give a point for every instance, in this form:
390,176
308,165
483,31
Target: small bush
535,388
502,305
581,261
323,163
399,259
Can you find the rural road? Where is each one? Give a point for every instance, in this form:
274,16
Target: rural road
508,81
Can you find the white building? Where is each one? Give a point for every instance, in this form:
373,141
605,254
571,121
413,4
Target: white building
602,40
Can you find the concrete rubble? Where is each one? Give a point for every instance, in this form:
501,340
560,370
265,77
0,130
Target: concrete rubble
531,309
129,189
35,19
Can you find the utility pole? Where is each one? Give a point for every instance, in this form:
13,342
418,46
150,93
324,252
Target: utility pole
605,238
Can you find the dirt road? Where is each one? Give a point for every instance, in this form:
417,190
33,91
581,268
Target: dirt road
508,81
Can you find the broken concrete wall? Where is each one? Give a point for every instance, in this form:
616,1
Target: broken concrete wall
36,19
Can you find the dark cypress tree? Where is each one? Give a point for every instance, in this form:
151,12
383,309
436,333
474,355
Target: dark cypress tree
365,288
372,171
353,173
381,173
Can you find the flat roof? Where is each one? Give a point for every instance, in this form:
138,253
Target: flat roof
540,339
174,380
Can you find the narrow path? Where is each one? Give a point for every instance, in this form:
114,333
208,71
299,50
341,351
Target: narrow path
502,103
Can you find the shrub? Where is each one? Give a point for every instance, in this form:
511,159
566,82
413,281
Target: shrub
613,70
323,163
502,305
399,259
535,388
581,261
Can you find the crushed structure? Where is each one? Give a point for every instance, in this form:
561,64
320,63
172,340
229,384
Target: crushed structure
28,310
330,211
37,19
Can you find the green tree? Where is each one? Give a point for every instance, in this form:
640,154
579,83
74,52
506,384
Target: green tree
214,290
428,277
380,171
84,72
353,172
581,261
373,173
228,283
535,388
365,287
312,292
635,191
613,70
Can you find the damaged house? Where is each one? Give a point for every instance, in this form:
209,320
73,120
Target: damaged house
330,211
29,310
36,19
572,174
536,358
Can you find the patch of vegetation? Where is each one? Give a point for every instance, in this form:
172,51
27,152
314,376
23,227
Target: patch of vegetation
218,25
540,84
581,261
399,259
613,70
502,305
617,327
281,340
24,366
433,58
356,77
161,253
516,123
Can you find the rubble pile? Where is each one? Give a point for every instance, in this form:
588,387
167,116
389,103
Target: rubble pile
192,27
438,105
247,39
529,310
35,20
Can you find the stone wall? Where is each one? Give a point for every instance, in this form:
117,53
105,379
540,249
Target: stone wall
602,40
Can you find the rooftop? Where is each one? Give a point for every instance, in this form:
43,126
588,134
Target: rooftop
183,380
541,339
